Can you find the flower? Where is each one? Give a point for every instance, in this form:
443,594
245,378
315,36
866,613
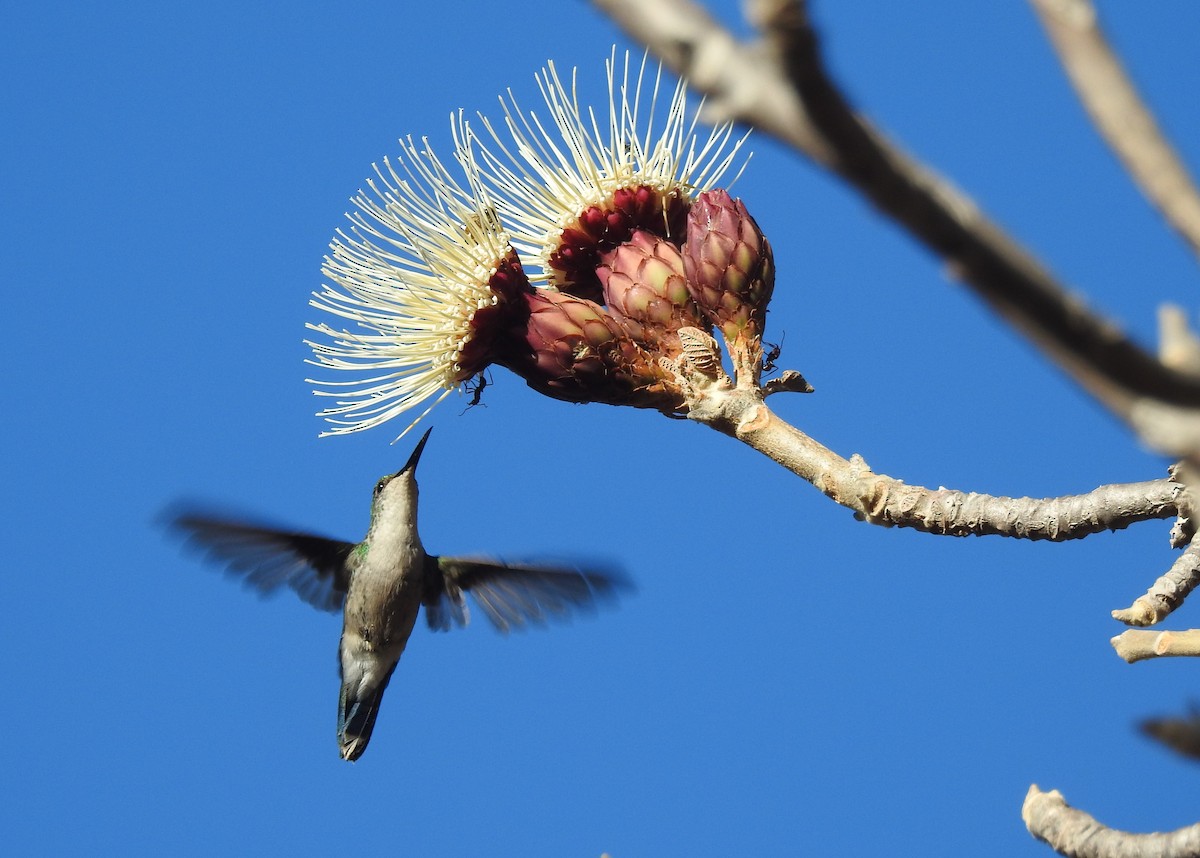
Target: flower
572,192
431,271
431,282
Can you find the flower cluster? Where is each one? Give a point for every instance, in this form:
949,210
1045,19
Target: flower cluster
571,254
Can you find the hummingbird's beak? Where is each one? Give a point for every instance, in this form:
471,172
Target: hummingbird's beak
411,464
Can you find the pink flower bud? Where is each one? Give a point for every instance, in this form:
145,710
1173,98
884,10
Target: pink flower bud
576,351
645,286
729,265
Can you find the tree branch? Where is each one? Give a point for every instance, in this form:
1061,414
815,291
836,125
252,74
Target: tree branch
882,500
1139,645
1119,114
737,408
1168,592
1076,834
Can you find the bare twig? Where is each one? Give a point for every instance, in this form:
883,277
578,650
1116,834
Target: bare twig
1167,593
882,500
1016,286
1119,113
1139,644
1076,834
794,99
738,409
1183,531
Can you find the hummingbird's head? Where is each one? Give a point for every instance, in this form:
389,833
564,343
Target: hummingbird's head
398,491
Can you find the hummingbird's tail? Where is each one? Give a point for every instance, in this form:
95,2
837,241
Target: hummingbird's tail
358,706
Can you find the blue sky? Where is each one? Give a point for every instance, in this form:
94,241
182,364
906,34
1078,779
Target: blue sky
786,680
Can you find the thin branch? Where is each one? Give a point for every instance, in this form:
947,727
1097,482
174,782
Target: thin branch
883,500
1119,114
737,408
1183,531
1139,645
793,99
1168,592
1127,379
1076,834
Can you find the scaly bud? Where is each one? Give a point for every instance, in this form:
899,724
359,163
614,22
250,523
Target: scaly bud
645,287
729,266
575,351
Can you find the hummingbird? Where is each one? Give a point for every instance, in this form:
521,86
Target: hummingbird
381,583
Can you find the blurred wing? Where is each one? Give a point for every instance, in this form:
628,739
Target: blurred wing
267,559
1180,734
513,596
445,606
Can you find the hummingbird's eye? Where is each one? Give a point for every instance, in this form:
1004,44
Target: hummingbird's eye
379,485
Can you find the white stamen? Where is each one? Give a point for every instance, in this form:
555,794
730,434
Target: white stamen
546,178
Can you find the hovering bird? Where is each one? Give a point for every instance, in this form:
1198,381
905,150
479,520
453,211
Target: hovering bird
381,583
